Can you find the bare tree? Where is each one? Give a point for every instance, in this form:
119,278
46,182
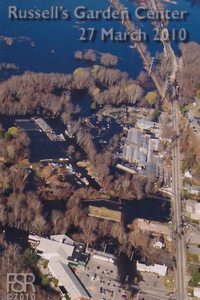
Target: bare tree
88,227
78,54
108,59
90,55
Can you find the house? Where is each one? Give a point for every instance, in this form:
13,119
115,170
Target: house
197,292
192,189
63,253
159,242
158,269
144,124
188,174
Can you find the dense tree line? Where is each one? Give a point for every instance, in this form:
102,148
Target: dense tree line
50,93
14,145
189,74
106,59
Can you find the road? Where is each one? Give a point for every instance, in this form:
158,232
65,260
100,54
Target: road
150,295
180,252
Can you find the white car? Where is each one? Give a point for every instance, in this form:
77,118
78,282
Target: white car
93,276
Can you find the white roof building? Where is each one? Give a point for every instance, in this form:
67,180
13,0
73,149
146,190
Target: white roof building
158,269
197,292
188,174
61,251
48,248
158,245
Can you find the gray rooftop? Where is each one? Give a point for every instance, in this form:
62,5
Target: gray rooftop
66,277
134,136
145,122
62,237
43,125
192,187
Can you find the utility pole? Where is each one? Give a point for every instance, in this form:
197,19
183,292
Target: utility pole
151,65
165,88
131,255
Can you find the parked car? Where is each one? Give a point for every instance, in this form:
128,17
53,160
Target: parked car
93,276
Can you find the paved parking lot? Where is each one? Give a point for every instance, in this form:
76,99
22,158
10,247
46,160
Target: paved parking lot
101,281
151,280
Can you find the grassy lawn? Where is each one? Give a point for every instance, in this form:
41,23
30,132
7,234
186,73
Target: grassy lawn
88,165
23,165
190,292
190,105
168,282
189,181
104,213
196,112
106,196
192,258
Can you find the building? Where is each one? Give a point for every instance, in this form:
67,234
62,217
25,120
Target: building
63,253
68,282
197,292
43,125
150,169
192,189
189,205
141,149
144,124
159,242
121,167
158,269
193,209
134,136
188,174
131,152
142,157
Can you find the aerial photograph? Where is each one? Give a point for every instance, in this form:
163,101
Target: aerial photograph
100,150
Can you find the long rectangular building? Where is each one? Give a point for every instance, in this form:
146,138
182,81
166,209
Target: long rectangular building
62,253
68,281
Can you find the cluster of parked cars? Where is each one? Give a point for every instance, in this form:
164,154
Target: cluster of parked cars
107,286
104,291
